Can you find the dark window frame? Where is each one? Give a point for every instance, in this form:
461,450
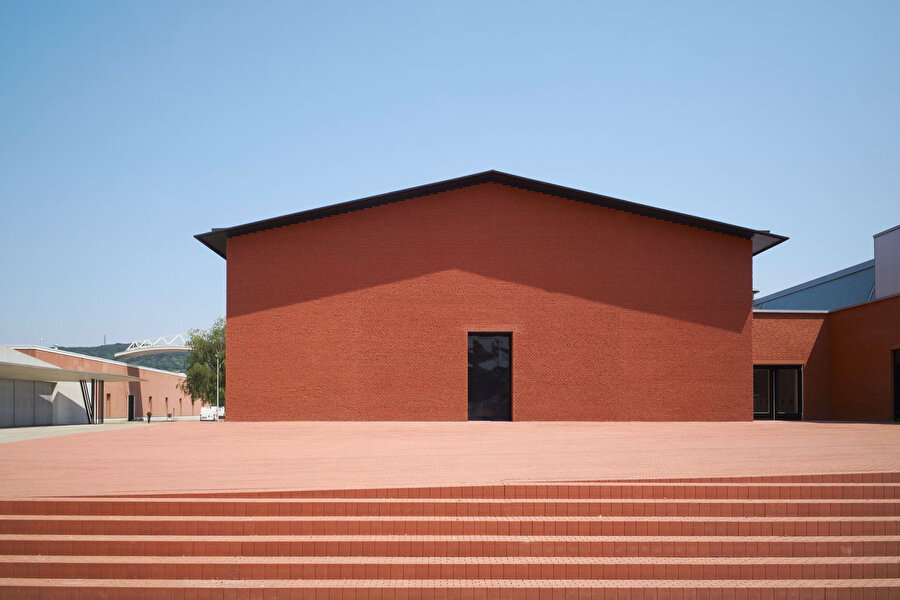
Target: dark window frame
509,334
895,367
773,414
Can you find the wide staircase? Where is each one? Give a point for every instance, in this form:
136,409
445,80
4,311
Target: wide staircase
830,536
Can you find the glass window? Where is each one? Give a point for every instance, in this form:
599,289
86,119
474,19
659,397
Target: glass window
762,393
787,390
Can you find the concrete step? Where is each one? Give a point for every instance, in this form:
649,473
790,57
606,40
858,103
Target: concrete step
482,491
874,477
362,567
447,545
310,525
592,490
514,589
451,507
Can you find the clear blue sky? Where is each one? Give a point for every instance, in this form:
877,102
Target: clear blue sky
127,127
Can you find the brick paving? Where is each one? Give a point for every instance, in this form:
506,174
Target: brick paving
307,455
777,537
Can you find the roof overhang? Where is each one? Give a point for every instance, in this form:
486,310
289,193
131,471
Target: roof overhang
217,238
28,372
763,240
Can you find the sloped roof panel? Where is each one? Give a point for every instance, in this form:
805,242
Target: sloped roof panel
853,285
217,238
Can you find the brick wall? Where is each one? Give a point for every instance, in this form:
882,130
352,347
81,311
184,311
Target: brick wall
364,316
846,354
797,339
862,338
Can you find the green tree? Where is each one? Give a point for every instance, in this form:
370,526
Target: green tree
207,348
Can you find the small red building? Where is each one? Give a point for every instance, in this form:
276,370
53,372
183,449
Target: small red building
829,349
490,296
48,386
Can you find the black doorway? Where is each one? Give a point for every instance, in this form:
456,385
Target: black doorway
130,407
896,385
490,376
777,392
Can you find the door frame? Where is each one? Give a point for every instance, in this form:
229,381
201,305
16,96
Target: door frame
773,414
895,366
508,334
130,400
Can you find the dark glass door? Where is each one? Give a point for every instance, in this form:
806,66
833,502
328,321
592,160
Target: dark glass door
490,376
897,385
777,392
130,407
762,392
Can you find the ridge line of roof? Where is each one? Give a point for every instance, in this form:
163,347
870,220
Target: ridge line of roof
888,230
215,239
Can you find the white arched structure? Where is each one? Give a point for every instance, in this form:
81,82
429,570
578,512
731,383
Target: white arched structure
174,343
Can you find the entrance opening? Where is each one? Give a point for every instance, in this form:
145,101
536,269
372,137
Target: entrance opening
777,392
896,385
490,376
130,407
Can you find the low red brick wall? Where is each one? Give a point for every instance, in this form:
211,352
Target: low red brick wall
364,316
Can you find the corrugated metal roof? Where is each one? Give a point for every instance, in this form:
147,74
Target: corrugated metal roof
853,285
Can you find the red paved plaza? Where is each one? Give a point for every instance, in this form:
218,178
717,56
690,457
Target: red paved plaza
298,455
762,510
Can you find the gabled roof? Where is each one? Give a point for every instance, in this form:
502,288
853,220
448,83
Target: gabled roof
216,239
853,285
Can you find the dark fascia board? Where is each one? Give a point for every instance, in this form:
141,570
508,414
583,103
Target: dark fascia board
216,239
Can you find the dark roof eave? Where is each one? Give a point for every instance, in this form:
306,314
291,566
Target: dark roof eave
216,239
764,240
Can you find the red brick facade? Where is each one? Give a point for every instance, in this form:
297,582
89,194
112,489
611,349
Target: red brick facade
365,315
845,355
862,338
797,339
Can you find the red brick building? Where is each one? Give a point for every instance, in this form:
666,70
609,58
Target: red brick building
490,296
149,390
830,348
497,297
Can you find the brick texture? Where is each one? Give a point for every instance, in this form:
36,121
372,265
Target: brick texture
862,338
846,355
797,339
777,537
364,316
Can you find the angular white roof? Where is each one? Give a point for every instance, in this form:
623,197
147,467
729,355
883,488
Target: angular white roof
18,365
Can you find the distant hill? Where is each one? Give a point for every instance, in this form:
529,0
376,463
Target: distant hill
173,361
